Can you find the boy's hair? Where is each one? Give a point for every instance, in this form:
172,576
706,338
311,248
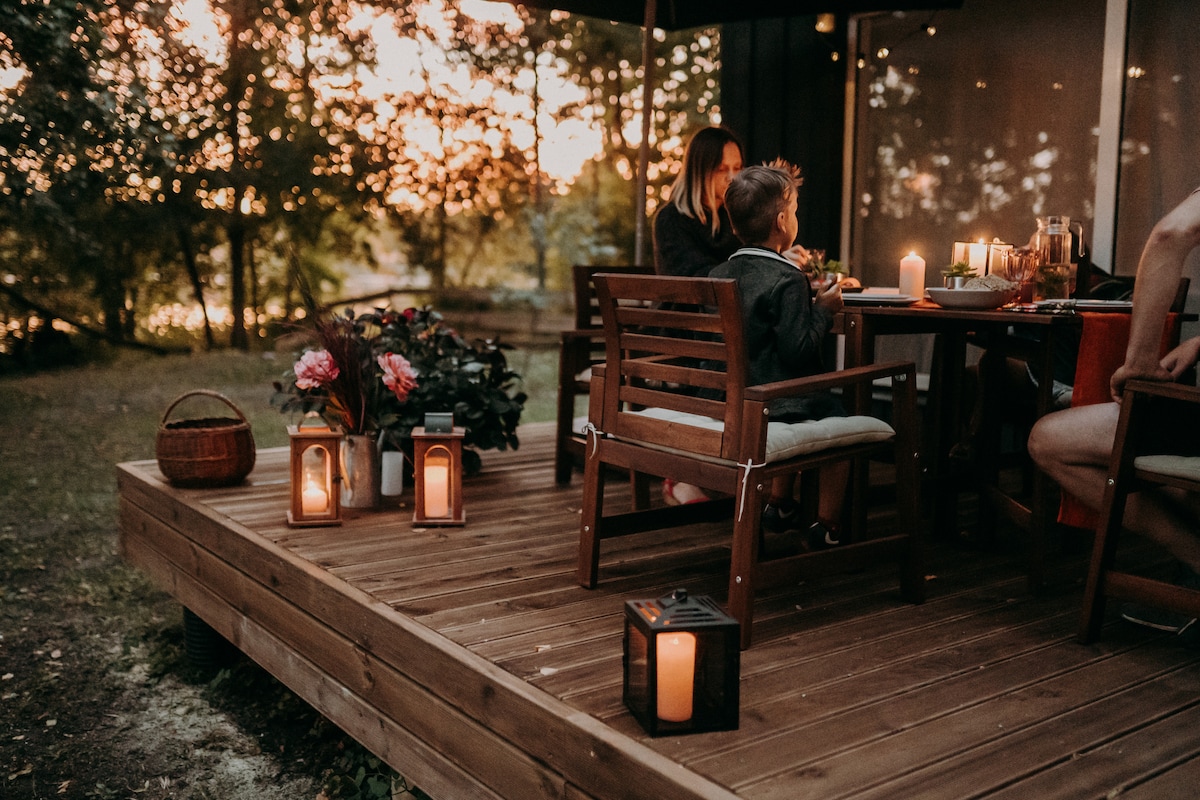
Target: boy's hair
757,195
692,192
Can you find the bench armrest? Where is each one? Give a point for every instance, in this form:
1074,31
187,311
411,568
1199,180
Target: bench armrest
1174,391
831,380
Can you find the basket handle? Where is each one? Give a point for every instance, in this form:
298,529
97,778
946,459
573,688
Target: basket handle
206,393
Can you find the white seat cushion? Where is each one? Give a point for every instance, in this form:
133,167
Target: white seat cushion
789,439
1186,467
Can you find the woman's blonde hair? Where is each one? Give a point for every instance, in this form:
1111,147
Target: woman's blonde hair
692,192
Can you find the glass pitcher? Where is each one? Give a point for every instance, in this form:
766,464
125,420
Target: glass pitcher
1052,242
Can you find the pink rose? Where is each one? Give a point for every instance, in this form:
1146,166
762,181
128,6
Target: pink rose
316,368
398,374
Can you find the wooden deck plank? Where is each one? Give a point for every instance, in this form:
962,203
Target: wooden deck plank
1179,780
585,752
1104,771
470,659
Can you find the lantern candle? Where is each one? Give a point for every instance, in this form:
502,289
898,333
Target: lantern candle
977,253
912,276
676,673
437,489
315,499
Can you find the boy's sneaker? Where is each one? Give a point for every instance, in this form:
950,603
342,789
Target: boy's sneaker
780,518
822,536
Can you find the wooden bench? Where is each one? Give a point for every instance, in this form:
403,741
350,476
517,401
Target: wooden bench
671,400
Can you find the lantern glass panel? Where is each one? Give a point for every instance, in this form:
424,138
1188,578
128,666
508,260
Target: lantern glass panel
317,469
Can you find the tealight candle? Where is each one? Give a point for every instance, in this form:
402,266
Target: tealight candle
912,275
676,674
314,500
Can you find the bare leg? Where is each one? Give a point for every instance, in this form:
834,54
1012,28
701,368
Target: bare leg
1074,447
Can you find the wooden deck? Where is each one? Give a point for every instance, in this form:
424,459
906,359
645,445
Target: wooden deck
471,661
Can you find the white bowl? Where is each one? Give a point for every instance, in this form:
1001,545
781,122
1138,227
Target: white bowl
970,298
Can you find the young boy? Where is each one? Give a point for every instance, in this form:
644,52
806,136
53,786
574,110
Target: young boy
785,326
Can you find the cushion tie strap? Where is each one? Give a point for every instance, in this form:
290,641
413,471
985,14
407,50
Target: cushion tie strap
593,433
747,467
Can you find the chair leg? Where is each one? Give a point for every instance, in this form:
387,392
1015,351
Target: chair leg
908,520
1104,553
744,560
588,568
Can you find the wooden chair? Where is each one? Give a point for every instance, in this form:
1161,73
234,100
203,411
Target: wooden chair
1132,469
671,399
579,350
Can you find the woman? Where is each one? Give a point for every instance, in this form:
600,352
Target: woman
692,233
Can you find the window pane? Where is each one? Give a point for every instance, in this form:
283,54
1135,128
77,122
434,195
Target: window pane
1160,152
973,131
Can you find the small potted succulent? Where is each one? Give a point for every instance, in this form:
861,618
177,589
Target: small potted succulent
956,274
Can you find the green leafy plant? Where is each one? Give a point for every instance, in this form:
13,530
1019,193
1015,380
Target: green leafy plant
472,380
835,267
959,269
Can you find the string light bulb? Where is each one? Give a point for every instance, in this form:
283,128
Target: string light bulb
826,23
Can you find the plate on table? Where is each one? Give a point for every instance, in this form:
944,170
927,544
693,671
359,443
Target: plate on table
970,298
869,298
1092,305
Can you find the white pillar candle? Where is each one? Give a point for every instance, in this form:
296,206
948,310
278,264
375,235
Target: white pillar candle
676,674
912,275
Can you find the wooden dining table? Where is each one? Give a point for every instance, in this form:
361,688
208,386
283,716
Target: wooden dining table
1020,332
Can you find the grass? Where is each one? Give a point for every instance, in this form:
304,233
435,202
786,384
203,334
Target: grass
61,578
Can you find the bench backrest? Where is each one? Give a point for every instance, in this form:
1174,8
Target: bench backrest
675,344
587,309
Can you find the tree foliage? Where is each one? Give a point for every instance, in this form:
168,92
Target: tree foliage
143,166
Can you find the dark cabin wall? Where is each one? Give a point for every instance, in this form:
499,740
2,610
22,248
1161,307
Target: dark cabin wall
783,94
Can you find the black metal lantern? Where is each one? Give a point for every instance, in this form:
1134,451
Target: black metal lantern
682,662
314,477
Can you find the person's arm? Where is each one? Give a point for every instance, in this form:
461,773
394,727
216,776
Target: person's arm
803,323
1157,281
1182,358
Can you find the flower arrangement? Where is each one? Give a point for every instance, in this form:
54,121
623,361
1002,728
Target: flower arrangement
379,374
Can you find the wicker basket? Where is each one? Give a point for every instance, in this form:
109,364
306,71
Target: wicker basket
205,453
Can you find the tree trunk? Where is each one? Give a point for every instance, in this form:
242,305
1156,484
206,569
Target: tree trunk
193,270
236,231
